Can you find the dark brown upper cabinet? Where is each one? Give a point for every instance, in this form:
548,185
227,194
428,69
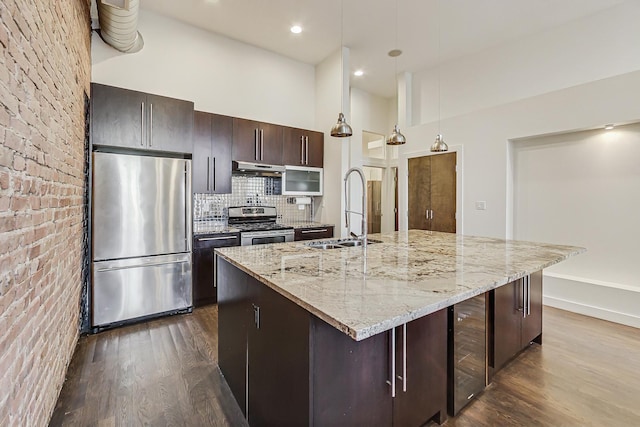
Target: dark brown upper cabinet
257,142
212,142
303,148
137,120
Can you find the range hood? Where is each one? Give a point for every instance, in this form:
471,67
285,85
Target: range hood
256,169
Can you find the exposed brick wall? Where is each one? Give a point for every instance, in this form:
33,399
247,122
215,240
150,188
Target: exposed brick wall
45,68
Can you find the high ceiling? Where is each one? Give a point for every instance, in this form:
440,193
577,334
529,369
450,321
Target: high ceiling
465,26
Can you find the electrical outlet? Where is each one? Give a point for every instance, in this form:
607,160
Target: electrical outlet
481,205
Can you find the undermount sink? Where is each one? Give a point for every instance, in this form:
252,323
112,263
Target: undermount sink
339,244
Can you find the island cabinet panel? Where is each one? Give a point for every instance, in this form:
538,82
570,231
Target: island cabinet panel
350,378
426,355
303,148
516,318
257,142
285,366
313,233
263,349
212,142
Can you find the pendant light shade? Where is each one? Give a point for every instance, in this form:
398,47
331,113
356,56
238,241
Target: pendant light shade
396,138
341,129
439,145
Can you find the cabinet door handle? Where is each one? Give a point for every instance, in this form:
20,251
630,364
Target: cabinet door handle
306,155
142,124
529,295
255,143
404,357
208,162
431,214
261,144
215,271
392,346
150,124
426,213
302,150
214,174
256,315
524,297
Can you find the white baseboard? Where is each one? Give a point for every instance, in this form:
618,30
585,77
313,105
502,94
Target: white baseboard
597,312
619,304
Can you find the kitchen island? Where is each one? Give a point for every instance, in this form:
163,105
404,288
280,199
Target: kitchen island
334,337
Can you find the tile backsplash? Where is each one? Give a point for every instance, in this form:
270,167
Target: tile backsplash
248,191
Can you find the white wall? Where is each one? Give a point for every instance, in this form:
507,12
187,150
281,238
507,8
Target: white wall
580,76
592,48
220,75
331,75
582,188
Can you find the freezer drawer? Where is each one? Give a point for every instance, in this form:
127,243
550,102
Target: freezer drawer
137,287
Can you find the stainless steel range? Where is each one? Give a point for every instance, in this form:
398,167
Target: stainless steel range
258,225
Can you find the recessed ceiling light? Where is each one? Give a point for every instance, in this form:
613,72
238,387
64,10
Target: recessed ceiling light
608,127
211,1
296,29
358,73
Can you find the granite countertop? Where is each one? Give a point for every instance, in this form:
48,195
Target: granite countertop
408,275
305,224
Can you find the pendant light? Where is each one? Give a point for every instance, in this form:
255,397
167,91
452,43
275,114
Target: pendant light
439,145
396,138
341,129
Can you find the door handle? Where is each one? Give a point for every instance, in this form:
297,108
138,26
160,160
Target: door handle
142,124
214,174
255,143
150,124
205,239
524,297
261,144
208,162
392,346
431,214
256,315
404,357
302,150
306,155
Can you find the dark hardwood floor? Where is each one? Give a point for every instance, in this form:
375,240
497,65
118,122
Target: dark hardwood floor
164,372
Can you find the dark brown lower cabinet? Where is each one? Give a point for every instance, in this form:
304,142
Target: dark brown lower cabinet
288,367
516,318
204,286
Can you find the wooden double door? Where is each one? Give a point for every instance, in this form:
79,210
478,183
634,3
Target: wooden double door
432,192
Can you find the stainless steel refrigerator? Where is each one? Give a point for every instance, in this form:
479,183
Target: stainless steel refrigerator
141,237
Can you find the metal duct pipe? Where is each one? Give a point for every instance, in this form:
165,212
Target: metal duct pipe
119,24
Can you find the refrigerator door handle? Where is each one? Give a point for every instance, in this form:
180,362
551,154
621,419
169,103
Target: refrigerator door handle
125,267
187,207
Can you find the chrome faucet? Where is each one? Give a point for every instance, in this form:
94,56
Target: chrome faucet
347,209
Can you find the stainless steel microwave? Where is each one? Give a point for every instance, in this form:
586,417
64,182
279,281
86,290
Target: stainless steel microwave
302,181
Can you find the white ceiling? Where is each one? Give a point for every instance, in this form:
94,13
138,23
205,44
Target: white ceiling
466,26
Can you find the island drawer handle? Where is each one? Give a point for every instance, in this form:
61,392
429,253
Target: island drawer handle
322,230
